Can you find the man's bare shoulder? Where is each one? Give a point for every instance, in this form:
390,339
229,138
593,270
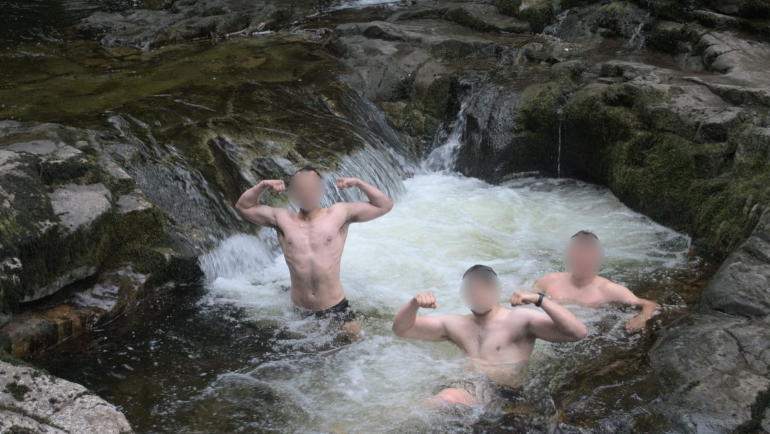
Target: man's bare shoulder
546,282
613,291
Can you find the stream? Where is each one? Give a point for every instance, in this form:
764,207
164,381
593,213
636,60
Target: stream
230,356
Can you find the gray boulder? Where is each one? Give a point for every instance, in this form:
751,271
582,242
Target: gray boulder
742,284
41,403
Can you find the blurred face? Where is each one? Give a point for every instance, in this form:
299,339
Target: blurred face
306,190
481,292
584,256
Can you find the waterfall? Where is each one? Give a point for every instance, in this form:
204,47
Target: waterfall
638,34
241,254
560,112
554,28
443,158
377,167
237,256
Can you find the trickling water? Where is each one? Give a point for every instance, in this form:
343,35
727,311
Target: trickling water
560,112
554,28
443,157
637,38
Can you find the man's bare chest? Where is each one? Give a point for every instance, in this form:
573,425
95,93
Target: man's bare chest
312,237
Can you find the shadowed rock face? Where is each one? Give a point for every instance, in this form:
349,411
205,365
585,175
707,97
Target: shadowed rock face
715,365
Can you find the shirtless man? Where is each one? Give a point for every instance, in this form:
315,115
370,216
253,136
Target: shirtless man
313,238
495,338
584,257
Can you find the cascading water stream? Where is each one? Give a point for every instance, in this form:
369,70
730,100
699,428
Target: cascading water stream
560,112
444,156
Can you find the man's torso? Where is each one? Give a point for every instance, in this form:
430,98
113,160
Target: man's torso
313,251
503,340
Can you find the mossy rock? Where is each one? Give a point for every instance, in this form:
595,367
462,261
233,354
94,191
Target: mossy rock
672,38
618,19
538,13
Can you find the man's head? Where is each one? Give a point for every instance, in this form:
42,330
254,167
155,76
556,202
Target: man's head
306,188
584,255
481,289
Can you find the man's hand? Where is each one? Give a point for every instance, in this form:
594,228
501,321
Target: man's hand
345,183
520,298
425,300
276,185
637,323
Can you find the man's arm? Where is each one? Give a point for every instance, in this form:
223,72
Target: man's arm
249,207
406,324
615,292
379,204
558,325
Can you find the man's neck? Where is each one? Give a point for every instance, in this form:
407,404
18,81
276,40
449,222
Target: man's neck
484,319
309,215
581,281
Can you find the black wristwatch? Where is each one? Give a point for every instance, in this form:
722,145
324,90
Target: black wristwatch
540,299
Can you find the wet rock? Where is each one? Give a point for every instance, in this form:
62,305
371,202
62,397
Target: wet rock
487,135
710,375
740,60
147,28
57,225
552,51
386,55
623,19
538,13
40,402
742,284
80,205
749,8
51,322
477,16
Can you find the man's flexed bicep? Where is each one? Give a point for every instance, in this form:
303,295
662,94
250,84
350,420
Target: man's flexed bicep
379,203
249,207
406,324
557,324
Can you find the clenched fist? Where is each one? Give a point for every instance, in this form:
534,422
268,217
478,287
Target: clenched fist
520,298
344,183
274,184
425,299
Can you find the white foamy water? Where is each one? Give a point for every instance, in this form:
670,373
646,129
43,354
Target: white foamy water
440,226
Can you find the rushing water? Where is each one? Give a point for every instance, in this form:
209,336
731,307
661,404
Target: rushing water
234,358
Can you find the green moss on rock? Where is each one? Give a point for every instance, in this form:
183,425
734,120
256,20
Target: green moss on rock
18,391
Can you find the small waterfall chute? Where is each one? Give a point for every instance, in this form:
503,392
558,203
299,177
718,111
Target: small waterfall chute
443,158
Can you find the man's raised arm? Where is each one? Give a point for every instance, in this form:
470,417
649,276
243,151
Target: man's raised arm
559,325
379,203
249,207
406,324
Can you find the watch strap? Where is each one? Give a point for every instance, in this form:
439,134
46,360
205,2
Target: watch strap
540,299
